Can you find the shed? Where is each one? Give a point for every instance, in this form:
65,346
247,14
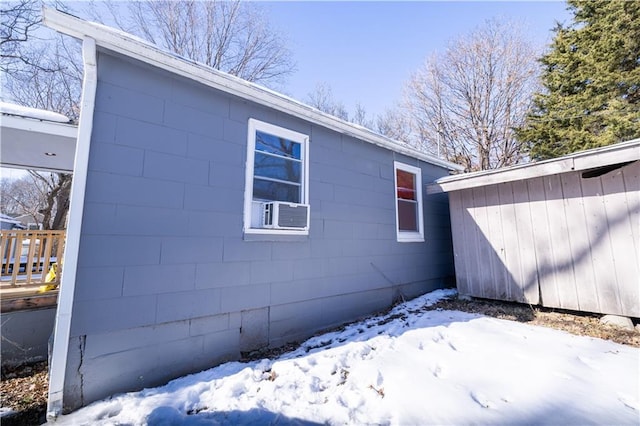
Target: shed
211,216
561,233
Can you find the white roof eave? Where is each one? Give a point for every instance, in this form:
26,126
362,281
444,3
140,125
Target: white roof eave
33,143
129,45
598,157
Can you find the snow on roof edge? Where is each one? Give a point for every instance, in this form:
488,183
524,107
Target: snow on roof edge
133,46
38,114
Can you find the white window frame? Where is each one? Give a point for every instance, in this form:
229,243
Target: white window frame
409,236
303,140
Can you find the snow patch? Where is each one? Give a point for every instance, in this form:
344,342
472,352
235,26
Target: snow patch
401,368
38,114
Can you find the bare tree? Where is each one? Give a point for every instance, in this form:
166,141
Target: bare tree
360,117
464,104
57,91
19,21
39,195
51,81
322,99
230,36
395,125
19,197
45,74
19,36
56,199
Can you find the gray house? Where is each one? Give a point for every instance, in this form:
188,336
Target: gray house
562,233
211,216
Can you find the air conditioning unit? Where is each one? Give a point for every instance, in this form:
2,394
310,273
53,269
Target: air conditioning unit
282,215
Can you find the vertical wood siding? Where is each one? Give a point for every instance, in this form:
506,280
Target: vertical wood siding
562,241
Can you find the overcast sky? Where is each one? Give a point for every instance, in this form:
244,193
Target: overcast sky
366,50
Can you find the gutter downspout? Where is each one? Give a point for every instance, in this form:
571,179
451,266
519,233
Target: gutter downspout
62,329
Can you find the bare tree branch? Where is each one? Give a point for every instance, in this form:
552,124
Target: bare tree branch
464,104
54,91
43,196
322,99
47,75
18,35
230,36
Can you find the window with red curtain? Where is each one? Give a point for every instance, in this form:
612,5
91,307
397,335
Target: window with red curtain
408,202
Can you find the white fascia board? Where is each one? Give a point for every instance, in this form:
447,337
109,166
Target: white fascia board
491,177
35,125
607,157
129,45
62,330
598,157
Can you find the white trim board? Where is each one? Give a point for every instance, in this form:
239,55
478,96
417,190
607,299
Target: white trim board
40,126
129,45
302,139
409,236
62,329
31,143
598,157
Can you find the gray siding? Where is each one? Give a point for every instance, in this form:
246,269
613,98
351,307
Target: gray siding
561,241
166,283
25,335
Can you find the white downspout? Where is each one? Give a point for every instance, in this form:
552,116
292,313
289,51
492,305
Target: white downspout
57,369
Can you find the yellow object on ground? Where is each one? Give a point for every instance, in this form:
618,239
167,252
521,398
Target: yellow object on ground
51,276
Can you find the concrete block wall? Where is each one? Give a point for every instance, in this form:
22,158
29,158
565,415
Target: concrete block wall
25,335
166,282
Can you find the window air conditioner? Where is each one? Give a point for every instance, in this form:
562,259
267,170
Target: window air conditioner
282,215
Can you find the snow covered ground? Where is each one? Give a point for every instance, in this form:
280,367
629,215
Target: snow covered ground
410,366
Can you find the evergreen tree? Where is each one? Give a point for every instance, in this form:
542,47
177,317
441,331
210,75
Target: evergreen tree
592,81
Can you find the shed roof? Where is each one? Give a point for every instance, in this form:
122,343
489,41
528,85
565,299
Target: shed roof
134,47
622,152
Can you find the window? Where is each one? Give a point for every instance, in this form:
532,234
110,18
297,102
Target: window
409,226
277,184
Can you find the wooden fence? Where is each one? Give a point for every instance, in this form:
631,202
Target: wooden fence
29,256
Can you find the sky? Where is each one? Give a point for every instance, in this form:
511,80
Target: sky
366,51
410,366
